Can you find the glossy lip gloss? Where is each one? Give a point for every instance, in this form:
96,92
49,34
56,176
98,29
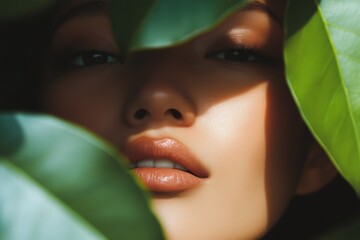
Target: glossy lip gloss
165,165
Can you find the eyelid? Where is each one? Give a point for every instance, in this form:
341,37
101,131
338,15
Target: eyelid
244,48
69,60
229,45
260,55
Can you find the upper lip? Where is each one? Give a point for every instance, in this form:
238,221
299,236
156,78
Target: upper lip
164,148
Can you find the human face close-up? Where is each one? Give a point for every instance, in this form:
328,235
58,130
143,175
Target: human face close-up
209,125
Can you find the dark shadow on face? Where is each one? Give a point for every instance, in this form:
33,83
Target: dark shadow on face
189,77
288,144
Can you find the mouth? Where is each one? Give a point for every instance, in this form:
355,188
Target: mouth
165,165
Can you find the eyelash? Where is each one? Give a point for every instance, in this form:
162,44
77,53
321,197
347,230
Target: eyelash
96,57
90,58
240,54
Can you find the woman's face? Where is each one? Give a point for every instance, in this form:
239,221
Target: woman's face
209,125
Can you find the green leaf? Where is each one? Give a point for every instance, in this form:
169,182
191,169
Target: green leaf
322,55
347,230
147,24
11,9
60,182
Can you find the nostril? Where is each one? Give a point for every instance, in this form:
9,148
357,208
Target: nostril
141,113
175,113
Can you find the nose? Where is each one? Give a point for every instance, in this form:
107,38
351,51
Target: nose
160,105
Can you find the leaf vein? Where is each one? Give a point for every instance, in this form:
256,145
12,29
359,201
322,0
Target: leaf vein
343,54
342,84
342,28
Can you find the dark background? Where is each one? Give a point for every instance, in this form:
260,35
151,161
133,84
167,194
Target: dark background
23,44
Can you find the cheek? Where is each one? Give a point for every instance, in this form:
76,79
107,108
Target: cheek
91,100
239,162
247,142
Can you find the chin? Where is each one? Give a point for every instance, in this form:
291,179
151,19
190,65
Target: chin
181,219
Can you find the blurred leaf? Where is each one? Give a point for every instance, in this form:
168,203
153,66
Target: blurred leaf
322,55
60,182
147,24
11,9
348,230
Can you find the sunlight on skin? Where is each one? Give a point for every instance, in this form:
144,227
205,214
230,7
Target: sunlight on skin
231,115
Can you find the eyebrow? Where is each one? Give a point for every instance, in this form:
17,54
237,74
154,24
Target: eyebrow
86,9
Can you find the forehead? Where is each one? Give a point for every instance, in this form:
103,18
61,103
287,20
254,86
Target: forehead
278,6
65,5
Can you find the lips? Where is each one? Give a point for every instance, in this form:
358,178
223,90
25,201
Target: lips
165,165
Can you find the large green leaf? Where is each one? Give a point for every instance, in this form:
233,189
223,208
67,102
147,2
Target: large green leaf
12,9
322,62
147,24
60,182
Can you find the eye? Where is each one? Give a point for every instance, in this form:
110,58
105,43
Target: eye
91,58
239,55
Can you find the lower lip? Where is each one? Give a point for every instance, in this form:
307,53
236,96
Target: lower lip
167,179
